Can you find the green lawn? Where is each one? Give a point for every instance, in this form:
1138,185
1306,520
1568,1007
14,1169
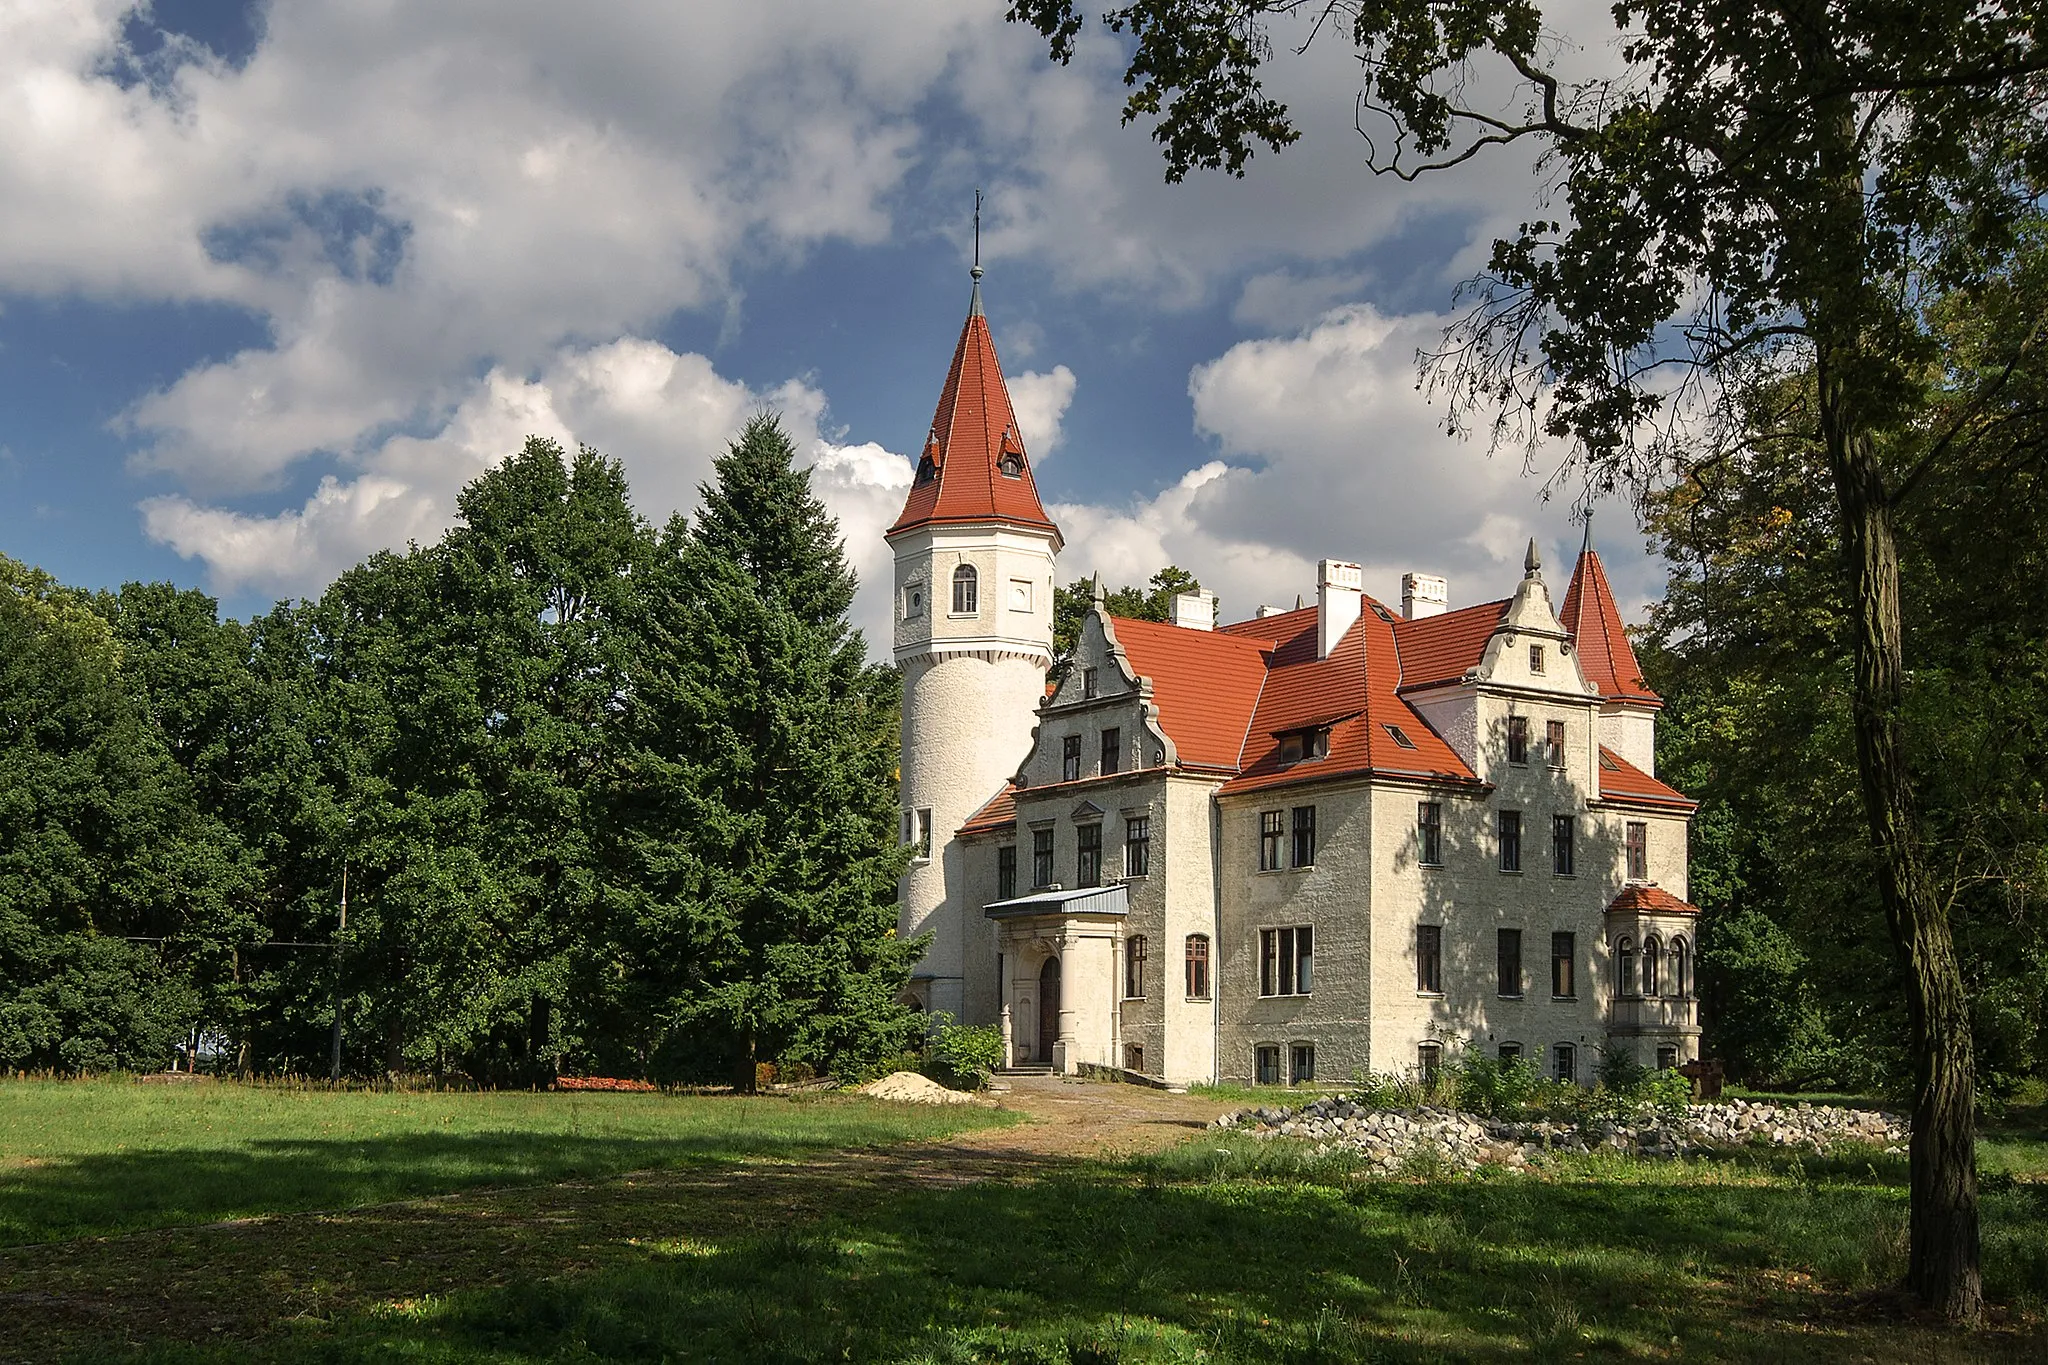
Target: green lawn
757,1244
92,1157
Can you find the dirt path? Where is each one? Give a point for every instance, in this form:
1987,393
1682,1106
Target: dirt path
251,1279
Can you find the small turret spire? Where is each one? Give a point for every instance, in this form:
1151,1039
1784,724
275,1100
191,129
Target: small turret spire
1532,563
1587,547
974,304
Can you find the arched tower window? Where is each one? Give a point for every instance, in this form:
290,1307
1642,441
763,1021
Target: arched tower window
1653,951
1681,969
1625,967
966,594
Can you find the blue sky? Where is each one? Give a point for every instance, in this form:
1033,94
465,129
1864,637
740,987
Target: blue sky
277,279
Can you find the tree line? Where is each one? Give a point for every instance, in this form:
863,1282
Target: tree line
563,790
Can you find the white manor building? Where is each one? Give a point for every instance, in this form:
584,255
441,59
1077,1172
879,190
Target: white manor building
1336,838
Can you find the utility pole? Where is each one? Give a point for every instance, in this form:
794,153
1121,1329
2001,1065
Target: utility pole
334,1065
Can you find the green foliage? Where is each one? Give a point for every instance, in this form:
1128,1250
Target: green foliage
1495,1088
1072,603
962,1056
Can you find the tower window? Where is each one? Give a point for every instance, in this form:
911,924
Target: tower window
966,591
1012,465
1020,594
913,600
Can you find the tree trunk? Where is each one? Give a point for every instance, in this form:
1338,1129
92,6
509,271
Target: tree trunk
743,1074
1942,1269
394,1046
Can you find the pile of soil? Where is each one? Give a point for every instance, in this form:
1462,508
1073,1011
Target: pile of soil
907,1087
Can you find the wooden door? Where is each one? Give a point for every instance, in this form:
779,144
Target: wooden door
1048,1008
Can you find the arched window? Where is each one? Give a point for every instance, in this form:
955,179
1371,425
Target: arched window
1625,967
1681,969
1653,951
1198,966
966,597
1134,967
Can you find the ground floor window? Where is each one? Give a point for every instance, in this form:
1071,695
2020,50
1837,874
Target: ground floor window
1134,1057
1510,1052
1564,1062
1301,1063
1266,1063
1429,1063
1667,1058
1198,966
1134,967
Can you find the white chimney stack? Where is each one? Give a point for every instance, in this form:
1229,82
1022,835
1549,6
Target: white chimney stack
1340,596
1195,610
1424,594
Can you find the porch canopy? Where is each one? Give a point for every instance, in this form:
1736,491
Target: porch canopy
1059,953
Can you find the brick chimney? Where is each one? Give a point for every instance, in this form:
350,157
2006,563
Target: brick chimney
1424,594
1340,596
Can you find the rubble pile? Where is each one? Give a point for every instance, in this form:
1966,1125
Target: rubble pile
1391,1138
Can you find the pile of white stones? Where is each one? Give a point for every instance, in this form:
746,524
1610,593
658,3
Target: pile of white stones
1391,1138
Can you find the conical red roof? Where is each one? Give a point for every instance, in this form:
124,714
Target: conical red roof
974,467
1605,656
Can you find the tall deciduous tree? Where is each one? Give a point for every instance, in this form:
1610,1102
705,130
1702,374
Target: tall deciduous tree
1791,182
764,856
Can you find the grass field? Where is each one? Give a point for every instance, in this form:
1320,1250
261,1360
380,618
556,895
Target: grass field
83,1158
760,1244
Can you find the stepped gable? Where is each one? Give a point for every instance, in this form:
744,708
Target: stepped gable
999,812
1205,684
1439,649
1649,899
1621,780
1354,693
974,438
1605,656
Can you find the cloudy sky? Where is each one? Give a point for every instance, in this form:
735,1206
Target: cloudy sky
276,280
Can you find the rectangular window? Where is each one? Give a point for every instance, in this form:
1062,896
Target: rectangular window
1301,1064
909,827
1070,759
1286,960
1510,1052
1088,855
1089,677
1006,872
1429,1063
1134,1057
1564,1062
1507,961
1112,750
1266,1063
1138,846
1304,836
1638,851
1535,658
1518,739
1510,829
1134,967
1667,1058
1270,832
924,832
1563,954
1429,833
1561,839
1041,857
1429,959
1198,966
1553,740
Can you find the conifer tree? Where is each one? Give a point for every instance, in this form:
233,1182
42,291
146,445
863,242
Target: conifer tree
764,852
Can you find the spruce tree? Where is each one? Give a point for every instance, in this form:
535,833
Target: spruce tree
765,859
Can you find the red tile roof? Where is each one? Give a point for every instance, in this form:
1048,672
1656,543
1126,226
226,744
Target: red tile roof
1438,649
1354,691
1205,684
1280,626
958,479
1605,655
997,813
1621,780
1649,900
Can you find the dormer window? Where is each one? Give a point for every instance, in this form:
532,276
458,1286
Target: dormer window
1399,736
1011,465
1297,746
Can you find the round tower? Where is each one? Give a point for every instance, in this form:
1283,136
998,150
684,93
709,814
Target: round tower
974,556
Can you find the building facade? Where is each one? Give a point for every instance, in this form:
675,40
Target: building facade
1321,841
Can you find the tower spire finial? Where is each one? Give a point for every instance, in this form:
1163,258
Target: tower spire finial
974,304
1587,547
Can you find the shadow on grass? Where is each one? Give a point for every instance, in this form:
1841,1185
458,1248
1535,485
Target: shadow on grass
1142,1264
99,1194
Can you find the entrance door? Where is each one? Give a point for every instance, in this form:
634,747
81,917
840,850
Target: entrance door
1048,1008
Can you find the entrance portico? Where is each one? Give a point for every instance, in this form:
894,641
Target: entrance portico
1059,950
